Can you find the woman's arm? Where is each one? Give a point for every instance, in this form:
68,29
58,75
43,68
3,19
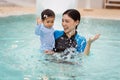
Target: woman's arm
87,48
89,42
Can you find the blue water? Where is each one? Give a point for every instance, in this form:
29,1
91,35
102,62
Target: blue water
20,58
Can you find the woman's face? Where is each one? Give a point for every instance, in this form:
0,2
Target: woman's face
68,24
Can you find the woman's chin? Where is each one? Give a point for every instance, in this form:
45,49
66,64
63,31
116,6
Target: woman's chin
66,31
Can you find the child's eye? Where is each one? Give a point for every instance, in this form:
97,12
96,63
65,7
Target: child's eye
52,22
48,21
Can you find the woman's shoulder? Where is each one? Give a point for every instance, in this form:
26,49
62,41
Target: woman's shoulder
58,33
79,37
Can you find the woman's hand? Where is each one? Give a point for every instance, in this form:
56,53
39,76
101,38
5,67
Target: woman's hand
92,39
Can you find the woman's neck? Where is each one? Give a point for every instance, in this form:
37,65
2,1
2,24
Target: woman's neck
70,34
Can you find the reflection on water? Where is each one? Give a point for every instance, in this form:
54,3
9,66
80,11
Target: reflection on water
20,58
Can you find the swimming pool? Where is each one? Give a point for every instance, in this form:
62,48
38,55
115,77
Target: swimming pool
20,58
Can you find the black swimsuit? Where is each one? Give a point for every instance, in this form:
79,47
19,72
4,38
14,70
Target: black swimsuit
64,42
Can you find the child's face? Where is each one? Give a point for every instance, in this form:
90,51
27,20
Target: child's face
48,22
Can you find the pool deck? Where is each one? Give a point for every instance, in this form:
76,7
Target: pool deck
16,10
101,13
93,13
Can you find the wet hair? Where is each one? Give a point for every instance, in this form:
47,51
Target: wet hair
74,14
47,13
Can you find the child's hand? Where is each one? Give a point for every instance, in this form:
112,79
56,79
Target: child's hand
38,21
49,52
92,39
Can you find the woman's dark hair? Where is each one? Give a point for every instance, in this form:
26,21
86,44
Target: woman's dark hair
47,13
74,14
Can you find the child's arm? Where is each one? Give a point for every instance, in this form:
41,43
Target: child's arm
88,45
49,52
37,28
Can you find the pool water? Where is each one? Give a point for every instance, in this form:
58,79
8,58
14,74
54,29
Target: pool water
20,58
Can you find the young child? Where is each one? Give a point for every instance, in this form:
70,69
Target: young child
45,30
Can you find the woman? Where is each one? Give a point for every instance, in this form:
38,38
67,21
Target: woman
69,38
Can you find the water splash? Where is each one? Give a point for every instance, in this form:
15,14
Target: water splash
70,56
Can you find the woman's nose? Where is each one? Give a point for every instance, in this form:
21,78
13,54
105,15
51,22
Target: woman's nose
63,23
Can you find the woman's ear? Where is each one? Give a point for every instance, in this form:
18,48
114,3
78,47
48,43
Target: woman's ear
77,22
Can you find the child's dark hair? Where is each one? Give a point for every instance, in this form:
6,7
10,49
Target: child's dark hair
47,13
74,14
